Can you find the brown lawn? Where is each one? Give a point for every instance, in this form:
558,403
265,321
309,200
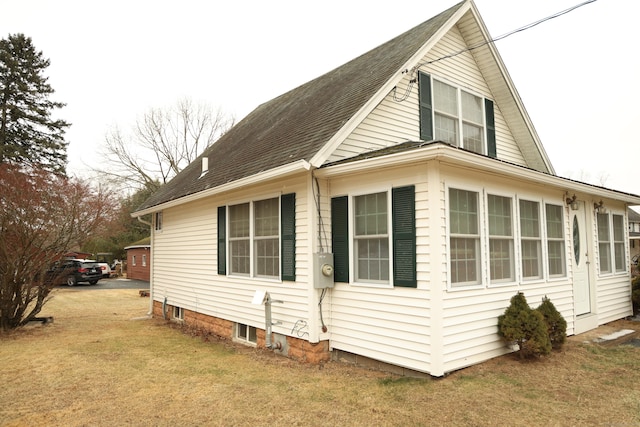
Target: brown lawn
99,364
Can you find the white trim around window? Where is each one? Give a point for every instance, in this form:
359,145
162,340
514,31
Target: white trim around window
458,116
370,225
507,239
612,241
254,238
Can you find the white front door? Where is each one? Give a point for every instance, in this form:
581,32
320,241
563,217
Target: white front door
581,261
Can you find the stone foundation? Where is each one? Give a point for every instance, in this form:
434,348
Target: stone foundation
294,348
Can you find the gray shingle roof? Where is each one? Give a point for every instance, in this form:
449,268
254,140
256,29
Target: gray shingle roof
295,125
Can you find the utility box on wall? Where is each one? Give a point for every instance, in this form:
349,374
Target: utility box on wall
323,270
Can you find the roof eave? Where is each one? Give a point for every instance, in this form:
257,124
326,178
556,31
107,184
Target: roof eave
327,150
447,154
279,172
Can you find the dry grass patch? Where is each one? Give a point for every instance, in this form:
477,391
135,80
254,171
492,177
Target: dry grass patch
96,366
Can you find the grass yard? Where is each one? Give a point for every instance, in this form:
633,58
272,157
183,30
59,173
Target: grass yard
99,364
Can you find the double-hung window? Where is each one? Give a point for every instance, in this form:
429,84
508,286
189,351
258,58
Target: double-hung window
239,239
619,255
371,238
257,238
382,246
555,240
456,116
471,251
464,237
604,243
501,258
530,240
611,243
266,240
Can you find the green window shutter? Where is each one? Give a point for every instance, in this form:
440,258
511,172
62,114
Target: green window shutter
426,107
491,129
222,240
404,236
340,238
288,238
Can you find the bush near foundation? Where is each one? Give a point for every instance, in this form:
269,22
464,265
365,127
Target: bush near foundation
556,325
635,294
522,325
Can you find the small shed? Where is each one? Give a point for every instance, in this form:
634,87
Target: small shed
139,259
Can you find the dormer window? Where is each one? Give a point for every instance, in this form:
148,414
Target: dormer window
455,116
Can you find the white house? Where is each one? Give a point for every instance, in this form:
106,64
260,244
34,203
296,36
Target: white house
387,211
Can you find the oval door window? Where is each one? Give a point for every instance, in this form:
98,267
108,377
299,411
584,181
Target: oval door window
576,239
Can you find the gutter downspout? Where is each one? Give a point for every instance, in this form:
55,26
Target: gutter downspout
151,291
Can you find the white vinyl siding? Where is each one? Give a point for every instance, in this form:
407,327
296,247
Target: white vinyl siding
393,122
185,268
390,324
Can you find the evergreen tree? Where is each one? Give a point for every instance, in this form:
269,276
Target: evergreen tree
29,136
522,325
556,325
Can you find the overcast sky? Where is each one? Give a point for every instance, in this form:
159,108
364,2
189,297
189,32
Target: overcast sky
111,61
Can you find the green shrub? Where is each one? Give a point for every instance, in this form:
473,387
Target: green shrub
556,325
635,294
525,327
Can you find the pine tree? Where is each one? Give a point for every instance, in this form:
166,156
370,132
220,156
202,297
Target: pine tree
29,136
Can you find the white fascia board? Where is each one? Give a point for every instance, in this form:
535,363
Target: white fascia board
471,161
279,172
325,152
512,88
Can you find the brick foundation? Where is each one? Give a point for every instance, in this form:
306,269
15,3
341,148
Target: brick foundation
297,349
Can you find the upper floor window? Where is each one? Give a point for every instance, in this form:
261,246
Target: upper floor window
456,116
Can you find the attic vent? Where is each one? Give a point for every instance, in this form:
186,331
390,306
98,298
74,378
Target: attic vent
205,167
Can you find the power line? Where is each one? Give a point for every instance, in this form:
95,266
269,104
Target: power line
484,43
510,33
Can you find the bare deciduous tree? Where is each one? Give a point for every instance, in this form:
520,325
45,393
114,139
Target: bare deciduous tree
42,217
162,143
